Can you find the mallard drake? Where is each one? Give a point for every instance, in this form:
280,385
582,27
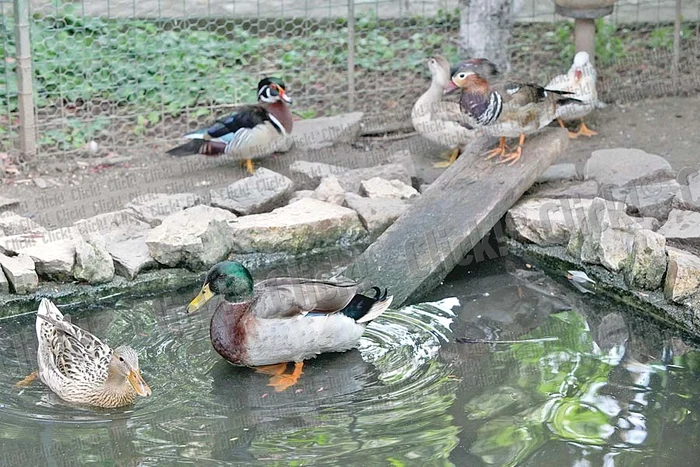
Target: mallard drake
581,81
283,320
252,132
507,109
79,368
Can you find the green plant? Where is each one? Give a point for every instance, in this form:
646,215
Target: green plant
609,44
662,37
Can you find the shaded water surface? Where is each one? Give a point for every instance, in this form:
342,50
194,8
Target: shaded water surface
593,385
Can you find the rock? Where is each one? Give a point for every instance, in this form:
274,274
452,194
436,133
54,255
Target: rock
301,194
379,188
602,243
620,167
682,227
41,183
4,283
16,243
261,192
131,256
682,276
330,191
548,222
646,200
93,263
54,260
558,172
325,131
352,179
688,197
586,190
196,238
308,175
376,214
648,223
298,227
152,208
8,203
405,158
13,224
20,273
647,264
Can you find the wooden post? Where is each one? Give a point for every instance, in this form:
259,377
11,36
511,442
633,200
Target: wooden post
584,36
460,208
485,30
677,37
27,123
351,55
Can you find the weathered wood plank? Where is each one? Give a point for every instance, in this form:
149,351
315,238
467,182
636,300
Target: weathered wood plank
416,253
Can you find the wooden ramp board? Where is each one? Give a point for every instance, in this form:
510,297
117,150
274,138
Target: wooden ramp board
418,251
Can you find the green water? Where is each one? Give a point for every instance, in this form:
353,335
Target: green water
598,386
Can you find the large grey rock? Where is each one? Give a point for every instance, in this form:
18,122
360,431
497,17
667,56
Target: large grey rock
152,208
682,276
352,179
298,227
13,224
558,173
308,175
548,222
196,238
647,264
20,273
54,260
688,197
682,227
131,256
647,199
648,223
93,263
4,283
376,214
329,191
301,194
624,167
326,131
586,190
113,226
405,158
610,248
262,192
380,188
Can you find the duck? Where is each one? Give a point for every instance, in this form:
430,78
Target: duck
275,322
81,369
581,81
252,132
505,109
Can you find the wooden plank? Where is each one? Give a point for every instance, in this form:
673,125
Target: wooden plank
416,253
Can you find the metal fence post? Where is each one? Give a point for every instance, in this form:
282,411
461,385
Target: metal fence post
27,124
351,55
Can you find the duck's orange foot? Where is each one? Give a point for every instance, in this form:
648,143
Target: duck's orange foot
585,131
498,151
279,380
27,381
514,156
248,165
453,155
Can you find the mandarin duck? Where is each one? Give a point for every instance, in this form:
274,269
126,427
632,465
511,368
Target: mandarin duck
252,132
79,368
282,320
507,109
580,80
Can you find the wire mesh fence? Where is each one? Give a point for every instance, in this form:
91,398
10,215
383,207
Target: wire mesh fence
121,73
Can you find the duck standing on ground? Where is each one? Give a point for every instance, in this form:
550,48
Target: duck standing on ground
507,109
581,81
79,368
282,320
252,132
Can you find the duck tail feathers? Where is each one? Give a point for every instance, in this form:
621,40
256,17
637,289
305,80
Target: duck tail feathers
378,308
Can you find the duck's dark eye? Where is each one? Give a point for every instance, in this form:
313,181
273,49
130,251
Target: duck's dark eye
121,359
462,76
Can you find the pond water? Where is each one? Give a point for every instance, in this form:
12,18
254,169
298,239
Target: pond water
592,386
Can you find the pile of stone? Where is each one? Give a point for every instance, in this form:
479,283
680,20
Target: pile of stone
628,212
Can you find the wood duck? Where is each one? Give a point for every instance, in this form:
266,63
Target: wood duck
581,81
252,132
508,109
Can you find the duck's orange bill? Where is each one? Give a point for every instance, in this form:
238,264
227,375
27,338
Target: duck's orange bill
138,383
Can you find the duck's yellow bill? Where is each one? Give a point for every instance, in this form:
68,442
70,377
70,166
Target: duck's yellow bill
138,383
202,297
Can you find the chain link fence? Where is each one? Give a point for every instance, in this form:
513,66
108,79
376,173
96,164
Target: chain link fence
120,73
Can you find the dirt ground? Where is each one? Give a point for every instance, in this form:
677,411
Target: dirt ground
84,187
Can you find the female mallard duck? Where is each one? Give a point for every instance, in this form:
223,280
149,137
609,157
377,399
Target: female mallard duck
580,80
79,368
254,131
284,319
507,109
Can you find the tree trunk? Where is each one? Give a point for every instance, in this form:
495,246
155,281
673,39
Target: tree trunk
485,29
